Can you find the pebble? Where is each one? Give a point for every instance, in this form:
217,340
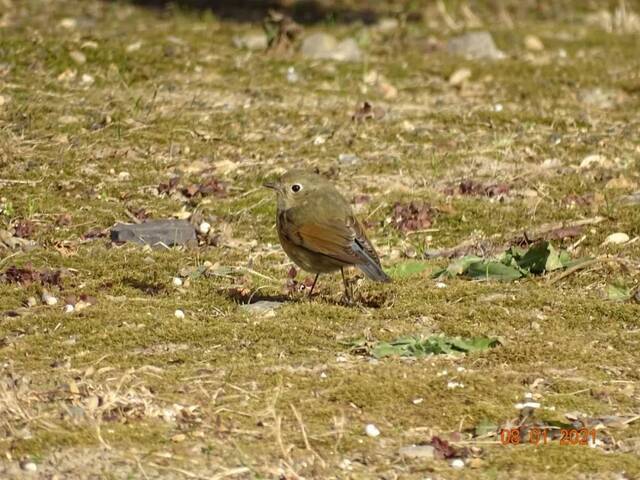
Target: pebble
451,385
457,463
292,75
78,57
418,451
322,46
176,282
460,76
498,107
31,302
441,285
264,308
533,43
3,100
251,41
68,308
475,45
49,299
87,79
595,159
179,314
68,23
155,232
386,25
348,159
319,140
371,430
133,47
616,239
204,228
28,466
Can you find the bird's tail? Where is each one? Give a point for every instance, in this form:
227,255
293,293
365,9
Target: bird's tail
374,271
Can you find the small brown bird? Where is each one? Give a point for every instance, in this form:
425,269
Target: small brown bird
318,230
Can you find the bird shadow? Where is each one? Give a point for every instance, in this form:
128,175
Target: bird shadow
248,297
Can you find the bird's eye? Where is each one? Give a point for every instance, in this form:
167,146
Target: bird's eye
296,187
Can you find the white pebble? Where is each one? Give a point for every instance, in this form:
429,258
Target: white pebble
179,314
451,385
417,401
616,239
68,23
371,430
69,308
292,75
520,406
204,228
29,466
457,463
498,107
49,299
319,140
441,285
176,281
87,79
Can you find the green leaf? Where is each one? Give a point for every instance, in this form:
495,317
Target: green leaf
493,271
618,292
407,269
419,347
457,267
536,258
485,427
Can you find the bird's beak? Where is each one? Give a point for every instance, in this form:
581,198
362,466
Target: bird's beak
271,185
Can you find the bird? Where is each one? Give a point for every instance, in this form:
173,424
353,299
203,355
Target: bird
318,230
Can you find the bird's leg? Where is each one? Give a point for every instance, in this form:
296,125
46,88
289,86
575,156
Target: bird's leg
347,290
314,284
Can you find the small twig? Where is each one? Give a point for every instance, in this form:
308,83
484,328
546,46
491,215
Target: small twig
250,207
131,216
571,393
382,204
304,435
20,182
9,256
573,270
186,473
230,473
258,274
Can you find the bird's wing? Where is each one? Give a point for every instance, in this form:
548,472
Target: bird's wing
333,239
342,239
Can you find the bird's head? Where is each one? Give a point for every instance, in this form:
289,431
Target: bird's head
295,186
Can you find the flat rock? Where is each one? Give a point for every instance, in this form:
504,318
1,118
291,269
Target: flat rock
262,307
475,45
254,41
155,232
418,451
322,46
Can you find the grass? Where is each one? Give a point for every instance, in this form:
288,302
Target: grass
123,388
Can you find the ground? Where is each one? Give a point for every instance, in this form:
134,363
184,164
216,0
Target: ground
103,103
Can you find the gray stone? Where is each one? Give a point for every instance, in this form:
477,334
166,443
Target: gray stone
475,45
322,46
418,451
262,307
251,41
348,159
155,233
